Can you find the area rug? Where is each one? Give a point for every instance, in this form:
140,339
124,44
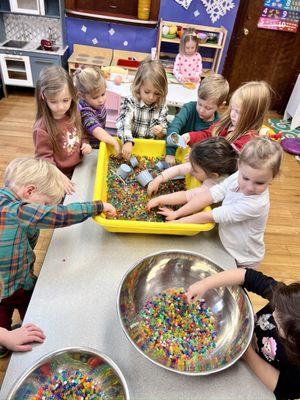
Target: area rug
278,125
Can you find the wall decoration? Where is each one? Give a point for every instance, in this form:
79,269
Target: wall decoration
292,5
196,13
279,15
217,8
184,3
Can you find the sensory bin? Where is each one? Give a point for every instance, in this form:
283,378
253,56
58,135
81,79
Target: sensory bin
144,222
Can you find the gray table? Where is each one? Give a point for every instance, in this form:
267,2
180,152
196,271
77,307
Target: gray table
74,302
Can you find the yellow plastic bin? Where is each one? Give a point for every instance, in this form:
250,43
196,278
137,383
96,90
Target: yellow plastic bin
148,148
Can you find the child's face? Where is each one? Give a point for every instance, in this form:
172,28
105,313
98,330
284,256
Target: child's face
206,109
60,103
235,112
253,181
190,48
149,94
198,172
97,99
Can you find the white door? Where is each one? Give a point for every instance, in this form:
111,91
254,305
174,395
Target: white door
28,6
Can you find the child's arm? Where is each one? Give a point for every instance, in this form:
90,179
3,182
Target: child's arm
105,137
159,125
20,339
177,68
43,147
124,127
198,68
195,137
44,217
169,199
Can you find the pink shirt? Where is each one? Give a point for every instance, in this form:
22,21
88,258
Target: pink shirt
188,68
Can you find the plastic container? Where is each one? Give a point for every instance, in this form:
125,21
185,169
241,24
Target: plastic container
148,148
144,177
123,171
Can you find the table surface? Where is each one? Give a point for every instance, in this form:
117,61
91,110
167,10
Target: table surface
177,95
75,297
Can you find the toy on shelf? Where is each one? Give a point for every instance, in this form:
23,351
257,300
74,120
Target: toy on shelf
169,31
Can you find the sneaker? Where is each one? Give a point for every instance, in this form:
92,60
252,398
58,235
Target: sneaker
4,352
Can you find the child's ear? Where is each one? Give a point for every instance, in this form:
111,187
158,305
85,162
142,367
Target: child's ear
214,175
27,191
80,95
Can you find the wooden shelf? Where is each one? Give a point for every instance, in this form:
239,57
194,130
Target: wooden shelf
177,40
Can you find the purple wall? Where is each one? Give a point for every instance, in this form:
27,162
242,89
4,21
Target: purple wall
137,38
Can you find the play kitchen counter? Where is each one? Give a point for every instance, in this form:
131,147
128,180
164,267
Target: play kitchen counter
75,297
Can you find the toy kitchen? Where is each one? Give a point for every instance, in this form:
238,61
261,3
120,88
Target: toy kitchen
31,38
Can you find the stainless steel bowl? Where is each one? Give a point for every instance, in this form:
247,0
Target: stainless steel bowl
90,362
176,269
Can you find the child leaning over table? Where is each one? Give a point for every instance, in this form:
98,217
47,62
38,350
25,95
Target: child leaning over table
29,201
200,114
144,114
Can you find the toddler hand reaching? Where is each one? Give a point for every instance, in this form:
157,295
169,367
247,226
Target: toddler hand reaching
126,150
109,210
20,339
158,131
86,148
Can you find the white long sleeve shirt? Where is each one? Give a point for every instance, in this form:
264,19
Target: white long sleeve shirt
242,220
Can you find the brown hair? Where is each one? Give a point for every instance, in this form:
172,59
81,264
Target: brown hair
153,71
189,35
88,80
52,80
214,87
254,100
286,303
47,179
214,155
262,153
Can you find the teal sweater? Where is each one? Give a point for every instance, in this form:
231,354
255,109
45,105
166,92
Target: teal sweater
187,120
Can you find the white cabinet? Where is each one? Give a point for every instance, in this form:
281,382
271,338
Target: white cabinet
28,6
16,70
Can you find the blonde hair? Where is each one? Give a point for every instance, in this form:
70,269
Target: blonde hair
38,172
254,99
189,35
52,80
214,87
262,153
153,71
89,80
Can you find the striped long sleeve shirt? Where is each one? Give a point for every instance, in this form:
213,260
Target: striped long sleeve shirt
20,223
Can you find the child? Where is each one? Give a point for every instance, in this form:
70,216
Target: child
19,339
28,202
242,217
144,114
57,132
200,114
243,118
274,354
91,87
210,162
188,63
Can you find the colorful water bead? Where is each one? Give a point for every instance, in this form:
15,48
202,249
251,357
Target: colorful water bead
129,197
70,385
176,333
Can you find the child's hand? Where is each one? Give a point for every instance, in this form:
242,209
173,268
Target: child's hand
186,137
154,203
196,291
126,150
170,160
109,210
117,147
68,184
20,339
158,131
86,148
168,213
154,185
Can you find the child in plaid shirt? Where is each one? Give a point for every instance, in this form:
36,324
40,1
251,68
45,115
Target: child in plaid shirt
144,114
29,202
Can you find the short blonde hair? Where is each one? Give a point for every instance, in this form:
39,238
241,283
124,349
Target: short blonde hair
43,175
189,35
88,80
262,153
153,71
214,87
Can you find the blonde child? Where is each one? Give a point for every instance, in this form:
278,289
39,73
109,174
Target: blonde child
57,132
19,339
200,114
188,63
28,202
243,118
144,114
274,353
91,87
210,162
242,217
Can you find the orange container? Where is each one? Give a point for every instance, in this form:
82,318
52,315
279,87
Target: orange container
144,7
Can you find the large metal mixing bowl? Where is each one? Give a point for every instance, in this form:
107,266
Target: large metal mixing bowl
100,368
231,306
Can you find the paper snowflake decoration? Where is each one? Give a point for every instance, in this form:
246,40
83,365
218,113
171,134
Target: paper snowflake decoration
184,3
84,28
94,41
125,43
111,31
196,13
217,8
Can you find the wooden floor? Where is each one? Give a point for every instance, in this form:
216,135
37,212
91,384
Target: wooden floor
17,113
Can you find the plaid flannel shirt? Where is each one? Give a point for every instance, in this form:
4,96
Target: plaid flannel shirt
19,230
136,119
